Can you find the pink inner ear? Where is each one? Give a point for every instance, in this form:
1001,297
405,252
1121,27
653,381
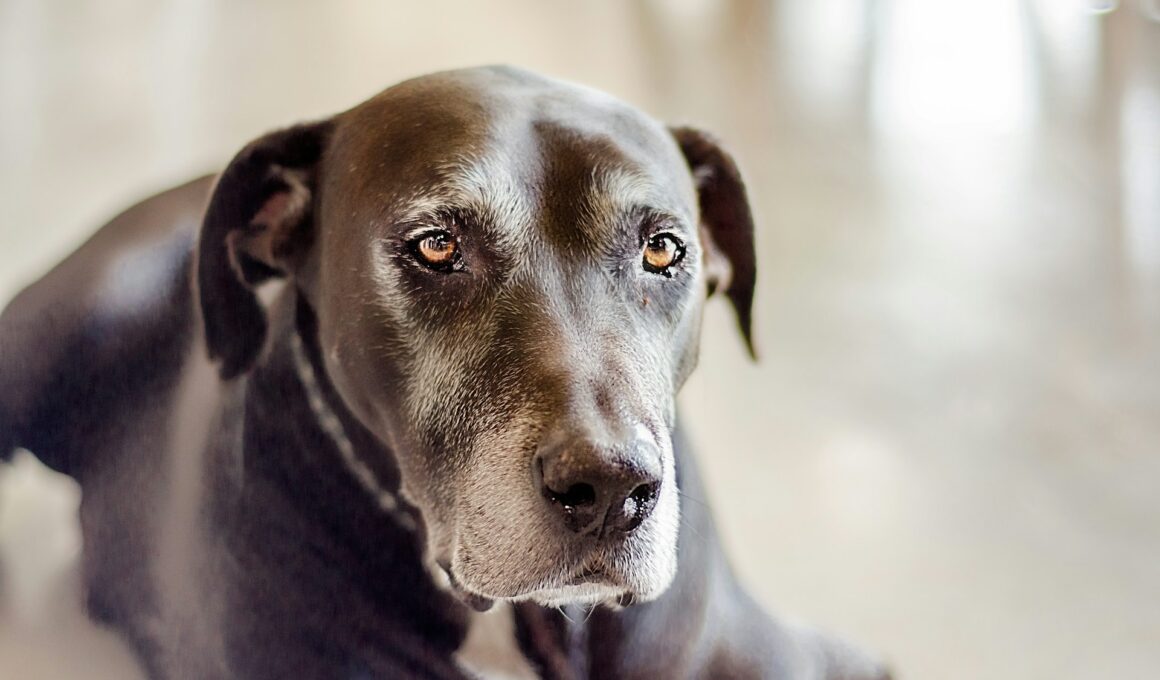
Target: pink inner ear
283,209
275,210
275,227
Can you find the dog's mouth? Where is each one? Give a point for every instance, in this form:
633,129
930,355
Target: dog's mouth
589,584
479,603
588,575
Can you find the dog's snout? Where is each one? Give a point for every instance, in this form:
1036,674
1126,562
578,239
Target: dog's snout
596,488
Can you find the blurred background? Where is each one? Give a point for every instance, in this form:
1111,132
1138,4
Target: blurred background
950,449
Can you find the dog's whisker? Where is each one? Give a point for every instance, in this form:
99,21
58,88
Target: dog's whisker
687,497
696,532
560,609
588,615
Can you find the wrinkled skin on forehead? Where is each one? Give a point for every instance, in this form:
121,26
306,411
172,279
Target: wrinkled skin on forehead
551,191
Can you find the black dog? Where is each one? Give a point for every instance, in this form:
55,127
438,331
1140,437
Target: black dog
419,358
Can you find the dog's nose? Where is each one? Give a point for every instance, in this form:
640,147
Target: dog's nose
599,489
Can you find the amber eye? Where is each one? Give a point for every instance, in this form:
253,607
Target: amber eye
438,250
662,252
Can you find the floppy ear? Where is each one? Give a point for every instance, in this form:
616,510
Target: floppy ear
259,224
726,224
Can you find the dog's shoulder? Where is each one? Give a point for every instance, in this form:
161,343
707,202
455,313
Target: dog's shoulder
99,329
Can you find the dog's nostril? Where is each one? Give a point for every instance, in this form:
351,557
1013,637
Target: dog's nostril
643,496
577,495
638,505
577,504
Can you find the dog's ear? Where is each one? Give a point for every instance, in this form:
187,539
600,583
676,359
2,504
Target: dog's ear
726,224
259,225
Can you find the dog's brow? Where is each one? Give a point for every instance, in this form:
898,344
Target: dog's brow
618,196
618,190
481,190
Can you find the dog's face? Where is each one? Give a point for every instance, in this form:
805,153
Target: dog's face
508,273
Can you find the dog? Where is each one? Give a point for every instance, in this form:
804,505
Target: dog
393,396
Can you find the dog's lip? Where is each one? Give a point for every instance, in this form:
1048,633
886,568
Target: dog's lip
589,574
479,603
595,571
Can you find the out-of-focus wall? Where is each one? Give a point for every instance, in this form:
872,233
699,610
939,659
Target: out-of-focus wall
950,449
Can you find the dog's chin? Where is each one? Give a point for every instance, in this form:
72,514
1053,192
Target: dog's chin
585,587
585,594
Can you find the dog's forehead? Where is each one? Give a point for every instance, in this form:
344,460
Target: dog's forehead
512,144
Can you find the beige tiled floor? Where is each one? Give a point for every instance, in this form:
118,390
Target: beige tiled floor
951,447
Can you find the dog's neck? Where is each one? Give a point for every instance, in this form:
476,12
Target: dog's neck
315,514
332,443
307,365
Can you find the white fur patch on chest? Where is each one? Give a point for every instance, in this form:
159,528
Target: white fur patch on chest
491,651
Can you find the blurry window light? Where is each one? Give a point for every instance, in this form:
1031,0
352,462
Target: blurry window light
951,71
825,49
1070,48
1140,181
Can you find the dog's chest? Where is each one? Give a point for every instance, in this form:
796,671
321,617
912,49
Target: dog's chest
491,651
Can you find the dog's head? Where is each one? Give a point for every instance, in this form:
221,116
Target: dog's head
508,274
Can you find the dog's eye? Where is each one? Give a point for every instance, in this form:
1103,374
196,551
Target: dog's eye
662,252
438,250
